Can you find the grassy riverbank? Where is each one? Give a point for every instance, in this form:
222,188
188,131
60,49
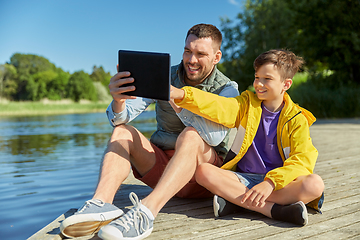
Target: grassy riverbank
49,108
46,107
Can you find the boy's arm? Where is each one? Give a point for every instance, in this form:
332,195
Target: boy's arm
257,195
212,133
215,108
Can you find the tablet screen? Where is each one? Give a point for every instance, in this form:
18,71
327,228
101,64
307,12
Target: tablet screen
151,73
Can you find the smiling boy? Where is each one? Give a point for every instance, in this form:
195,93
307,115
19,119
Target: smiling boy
269,168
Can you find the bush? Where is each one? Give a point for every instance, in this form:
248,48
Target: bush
81,87
341,102
102,92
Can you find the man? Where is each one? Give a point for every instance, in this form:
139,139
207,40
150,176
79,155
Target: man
168,161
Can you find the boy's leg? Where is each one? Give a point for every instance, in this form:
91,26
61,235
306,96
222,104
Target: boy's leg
214,179
302,189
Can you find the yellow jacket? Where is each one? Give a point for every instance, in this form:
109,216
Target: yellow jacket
244,113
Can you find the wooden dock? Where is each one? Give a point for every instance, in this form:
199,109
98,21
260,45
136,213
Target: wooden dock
338,164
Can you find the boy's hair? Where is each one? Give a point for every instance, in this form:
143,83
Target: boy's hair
203,30
286,62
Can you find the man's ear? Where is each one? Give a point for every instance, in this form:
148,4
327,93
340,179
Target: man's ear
218,56
287,83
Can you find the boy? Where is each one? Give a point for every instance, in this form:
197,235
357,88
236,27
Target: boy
272,157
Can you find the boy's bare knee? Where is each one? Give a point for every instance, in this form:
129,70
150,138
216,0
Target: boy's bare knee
314,184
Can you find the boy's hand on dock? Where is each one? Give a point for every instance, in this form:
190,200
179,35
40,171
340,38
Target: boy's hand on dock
257,195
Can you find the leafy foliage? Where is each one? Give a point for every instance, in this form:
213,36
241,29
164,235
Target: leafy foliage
32,77
99,75
326,33
81,87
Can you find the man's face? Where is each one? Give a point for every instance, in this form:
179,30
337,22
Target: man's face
199,58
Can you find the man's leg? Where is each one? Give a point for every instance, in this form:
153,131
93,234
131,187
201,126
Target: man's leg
190,152
126,145
304,188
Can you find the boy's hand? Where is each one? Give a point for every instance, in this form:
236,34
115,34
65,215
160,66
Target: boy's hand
257,195
176,93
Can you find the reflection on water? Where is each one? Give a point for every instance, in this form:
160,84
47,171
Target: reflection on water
49,164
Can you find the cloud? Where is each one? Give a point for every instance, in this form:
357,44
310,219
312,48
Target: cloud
233,2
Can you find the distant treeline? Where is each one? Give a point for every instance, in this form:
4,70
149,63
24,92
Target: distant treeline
32,77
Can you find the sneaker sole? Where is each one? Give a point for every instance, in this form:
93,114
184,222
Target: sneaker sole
112,233
216,206
84,228
83,225
304,213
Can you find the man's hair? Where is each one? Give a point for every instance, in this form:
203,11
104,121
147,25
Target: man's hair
203,30
286,62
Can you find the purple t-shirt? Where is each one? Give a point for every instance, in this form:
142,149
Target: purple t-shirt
263,154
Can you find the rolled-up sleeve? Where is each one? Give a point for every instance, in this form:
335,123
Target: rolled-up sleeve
132,109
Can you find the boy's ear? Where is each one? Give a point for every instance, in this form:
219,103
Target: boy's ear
287,83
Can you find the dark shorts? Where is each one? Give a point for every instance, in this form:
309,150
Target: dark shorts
191,190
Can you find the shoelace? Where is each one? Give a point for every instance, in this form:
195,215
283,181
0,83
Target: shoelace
134,216
88,203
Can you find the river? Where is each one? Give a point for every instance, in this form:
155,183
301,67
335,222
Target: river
49,164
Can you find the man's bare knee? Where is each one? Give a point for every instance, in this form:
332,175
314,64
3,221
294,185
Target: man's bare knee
122,132
189,135
202,174
121,139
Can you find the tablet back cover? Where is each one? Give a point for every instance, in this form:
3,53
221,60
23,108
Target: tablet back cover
151,72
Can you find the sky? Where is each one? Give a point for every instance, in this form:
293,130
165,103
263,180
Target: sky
79,34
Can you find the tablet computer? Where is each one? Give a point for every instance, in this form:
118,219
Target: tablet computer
151,73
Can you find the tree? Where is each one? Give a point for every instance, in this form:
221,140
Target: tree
81,87
27,65
38,84
99,75
329,37
8,85
58,86
325,32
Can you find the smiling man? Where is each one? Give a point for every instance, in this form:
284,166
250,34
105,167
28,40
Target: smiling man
168,161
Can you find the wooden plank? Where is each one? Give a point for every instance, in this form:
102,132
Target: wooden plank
338,164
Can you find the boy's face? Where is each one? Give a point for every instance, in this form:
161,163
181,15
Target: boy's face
269,87
199,58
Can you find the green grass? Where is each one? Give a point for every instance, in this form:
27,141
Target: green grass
28,108
51,108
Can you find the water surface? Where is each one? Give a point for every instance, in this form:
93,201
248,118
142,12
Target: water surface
49,164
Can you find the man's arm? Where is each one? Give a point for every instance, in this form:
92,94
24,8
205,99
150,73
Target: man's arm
211,132
124,108
132,108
